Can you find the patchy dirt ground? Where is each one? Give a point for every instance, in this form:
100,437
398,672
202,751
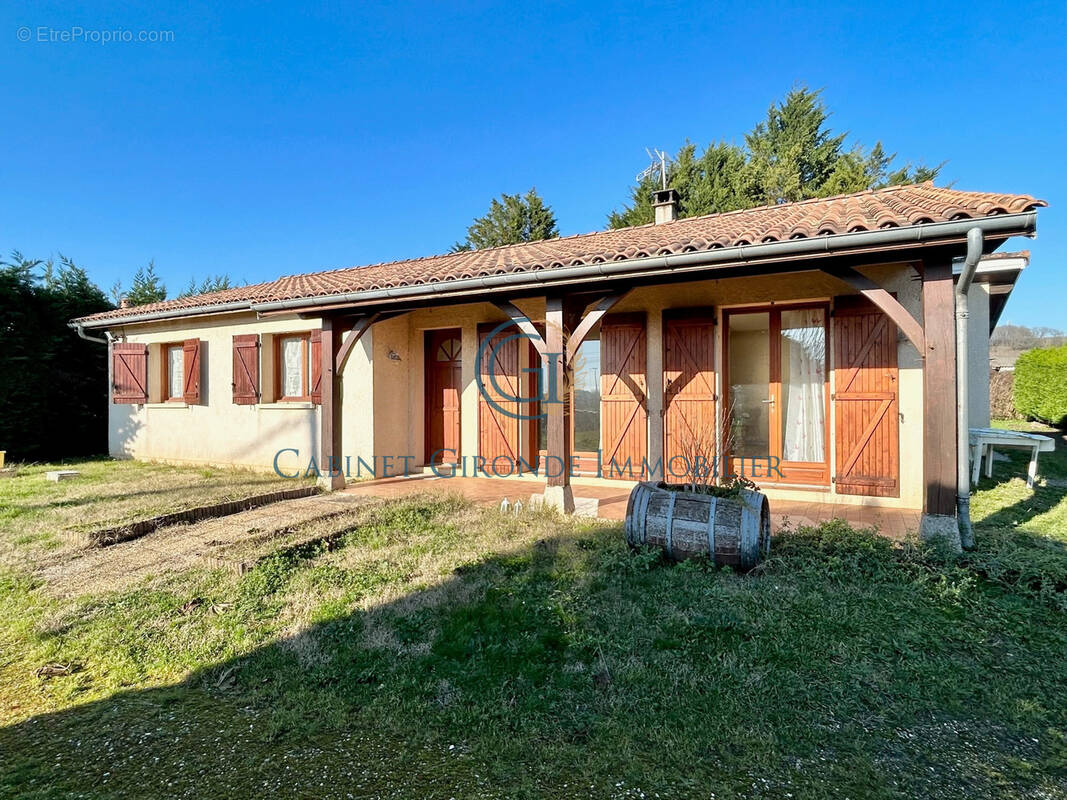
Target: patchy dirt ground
83,570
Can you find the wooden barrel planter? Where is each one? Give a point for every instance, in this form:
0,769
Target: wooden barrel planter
733,530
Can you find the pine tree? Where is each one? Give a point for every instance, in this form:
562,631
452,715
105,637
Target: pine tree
710,183
791,155
212,283
147,287
41,352
510,220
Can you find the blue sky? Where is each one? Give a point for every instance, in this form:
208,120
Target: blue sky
270,139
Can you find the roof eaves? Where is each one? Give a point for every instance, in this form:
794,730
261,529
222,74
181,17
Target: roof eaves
911,236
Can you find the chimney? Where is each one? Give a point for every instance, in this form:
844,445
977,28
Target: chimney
665,201
124,302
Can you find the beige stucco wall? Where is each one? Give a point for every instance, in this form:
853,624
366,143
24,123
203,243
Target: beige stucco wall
382,393
216,431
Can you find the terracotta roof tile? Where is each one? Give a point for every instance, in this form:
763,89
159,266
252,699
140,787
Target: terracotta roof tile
865,211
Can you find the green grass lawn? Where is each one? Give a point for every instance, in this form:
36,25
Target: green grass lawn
434,650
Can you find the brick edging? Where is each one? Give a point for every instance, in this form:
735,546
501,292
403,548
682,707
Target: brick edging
135,530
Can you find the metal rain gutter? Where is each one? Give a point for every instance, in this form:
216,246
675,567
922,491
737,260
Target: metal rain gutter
1001,225
169,313
1006,225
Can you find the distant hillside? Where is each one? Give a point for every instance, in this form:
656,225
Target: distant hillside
1008,341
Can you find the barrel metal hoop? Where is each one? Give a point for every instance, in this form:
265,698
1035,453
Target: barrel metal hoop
645,500
670,524
748,531
712,509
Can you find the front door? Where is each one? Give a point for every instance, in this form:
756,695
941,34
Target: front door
444,380
777,394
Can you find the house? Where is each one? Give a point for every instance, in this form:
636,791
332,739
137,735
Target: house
811,345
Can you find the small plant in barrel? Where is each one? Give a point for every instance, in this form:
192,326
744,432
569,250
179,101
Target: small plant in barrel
702,513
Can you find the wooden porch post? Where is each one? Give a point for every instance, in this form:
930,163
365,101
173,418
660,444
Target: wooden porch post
565,330
559,314
330,422
939,404
335,353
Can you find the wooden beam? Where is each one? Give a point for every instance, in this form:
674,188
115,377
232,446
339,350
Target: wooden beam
330,451
939,389
558,406
525,325
360,327
581,331
889,305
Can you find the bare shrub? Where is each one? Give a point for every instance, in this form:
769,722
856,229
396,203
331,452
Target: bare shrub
1001,405
699,449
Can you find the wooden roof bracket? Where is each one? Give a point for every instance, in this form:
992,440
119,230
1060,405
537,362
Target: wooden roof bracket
590,320
892,308
525,325
360,327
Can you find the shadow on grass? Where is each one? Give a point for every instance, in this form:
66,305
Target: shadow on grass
573,667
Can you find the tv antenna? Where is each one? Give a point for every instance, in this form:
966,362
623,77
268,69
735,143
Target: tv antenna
659,163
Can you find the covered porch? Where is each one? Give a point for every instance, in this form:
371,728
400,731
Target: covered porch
800,369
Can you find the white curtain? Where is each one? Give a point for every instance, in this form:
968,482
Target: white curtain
175,362
292,369
804,426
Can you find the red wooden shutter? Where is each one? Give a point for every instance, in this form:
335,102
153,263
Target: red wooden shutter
623,396
688,393
316,366
498,423
191,370
865,400
246,369
129,373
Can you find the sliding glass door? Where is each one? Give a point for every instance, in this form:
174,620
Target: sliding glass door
777,409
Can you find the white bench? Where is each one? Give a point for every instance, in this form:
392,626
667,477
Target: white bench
983,440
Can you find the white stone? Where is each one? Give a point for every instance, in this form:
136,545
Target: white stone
58,475
941,527
560,498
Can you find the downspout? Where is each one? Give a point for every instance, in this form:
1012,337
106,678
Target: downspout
963,440
81,332
108,340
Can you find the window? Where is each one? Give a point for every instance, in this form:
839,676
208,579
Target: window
587,397
585,407
173,382
292,367
450,350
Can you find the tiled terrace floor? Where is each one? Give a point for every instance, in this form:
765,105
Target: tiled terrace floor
894,523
